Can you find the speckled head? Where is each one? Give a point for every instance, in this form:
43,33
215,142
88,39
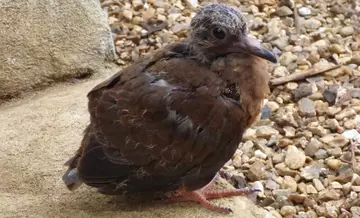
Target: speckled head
218,29
218,15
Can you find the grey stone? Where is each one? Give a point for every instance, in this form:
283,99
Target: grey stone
288,21
284,11
281,42
321,154
336,152
312,147
347,31
312,23
287,58
307,107
330,94
272,185
311,172
280,71
355,211
43,42
265,112
302,91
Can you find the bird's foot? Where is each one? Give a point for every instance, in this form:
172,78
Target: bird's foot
228,193
202,195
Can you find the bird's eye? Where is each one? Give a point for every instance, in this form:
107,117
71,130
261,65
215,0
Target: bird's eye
218,33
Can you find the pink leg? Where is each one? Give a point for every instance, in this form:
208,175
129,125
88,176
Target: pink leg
199,197
202,195
227,193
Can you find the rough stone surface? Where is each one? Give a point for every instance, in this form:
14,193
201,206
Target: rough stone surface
47,41
30,180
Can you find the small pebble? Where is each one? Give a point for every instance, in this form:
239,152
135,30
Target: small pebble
353,196
289,183
333,164
288,210
311,172
347,31
266,132
294,158
355,188
336,185
284,11
304,11
310,189
328,195
318,185
307,107
260,154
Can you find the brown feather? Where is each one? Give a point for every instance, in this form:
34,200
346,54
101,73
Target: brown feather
168,121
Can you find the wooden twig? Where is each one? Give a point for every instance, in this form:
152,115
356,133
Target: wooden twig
300,76
153,28
296,20
352,150
346,97
352,160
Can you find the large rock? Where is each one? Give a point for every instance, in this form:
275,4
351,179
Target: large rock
47,41
38,134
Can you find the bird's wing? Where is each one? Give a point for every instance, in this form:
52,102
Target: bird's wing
165,120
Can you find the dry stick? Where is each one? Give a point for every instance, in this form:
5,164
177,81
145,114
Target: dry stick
153,29
352,150
352,161
300,76
296,20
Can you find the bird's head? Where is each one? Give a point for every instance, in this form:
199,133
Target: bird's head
217,30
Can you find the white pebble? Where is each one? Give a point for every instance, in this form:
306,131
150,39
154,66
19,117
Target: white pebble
353,195
357,119
193,3
260,154
352,134
304,11
258,186
336,185
354,177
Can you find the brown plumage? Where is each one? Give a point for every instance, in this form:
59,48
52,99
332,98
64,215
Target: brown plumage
165,125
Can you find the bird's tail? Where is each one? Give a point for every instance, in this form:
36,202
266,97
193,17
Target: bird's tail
70,177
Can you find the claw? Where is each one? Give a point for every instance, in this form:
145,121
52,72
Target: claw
202,196
253,190
230,210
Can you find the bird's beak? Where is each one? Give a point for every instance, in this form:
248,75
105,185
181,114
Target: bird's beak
253,46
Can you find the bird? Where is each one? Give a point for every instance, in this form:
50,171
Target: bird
166,124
